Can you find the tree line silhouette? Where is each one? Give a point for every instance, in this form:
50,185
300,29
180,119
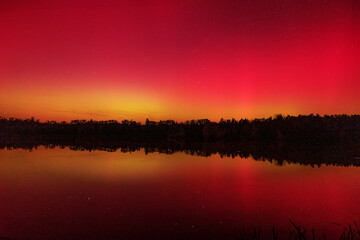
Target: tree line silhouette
311,140
302,129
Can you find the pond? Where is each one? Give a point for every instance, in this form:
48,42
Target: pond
64,194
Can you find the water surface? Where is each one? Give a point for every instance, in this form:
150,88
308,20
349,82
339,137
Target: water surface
64,194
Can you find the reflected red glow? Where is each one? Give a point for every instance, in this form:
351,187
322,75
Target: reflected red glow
60,193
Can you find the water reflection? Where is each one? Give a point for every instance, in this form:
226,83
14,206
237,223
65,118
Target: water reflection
64,194
313,155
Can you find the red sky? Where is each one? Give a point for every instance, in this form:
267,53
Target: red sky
167,59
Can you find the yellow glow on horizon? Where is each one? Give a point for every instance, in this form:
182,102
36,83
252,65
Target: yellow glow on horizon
97,102
87,104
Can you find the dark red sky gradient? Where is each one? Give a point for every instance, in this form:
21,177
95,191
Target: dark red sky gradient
167,59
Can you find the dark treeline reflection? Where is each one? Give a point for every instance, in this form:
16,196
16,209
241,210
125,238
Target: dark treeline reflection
313,140
314,155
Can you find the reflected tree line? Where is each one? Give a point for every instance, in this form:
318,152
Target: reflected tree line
310,139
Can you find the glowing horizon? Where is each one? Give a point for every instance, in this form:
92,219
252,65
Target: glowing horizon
178,60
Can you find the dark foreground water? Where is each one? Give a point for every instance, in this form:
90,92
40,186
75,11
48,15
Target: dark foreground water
64,194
